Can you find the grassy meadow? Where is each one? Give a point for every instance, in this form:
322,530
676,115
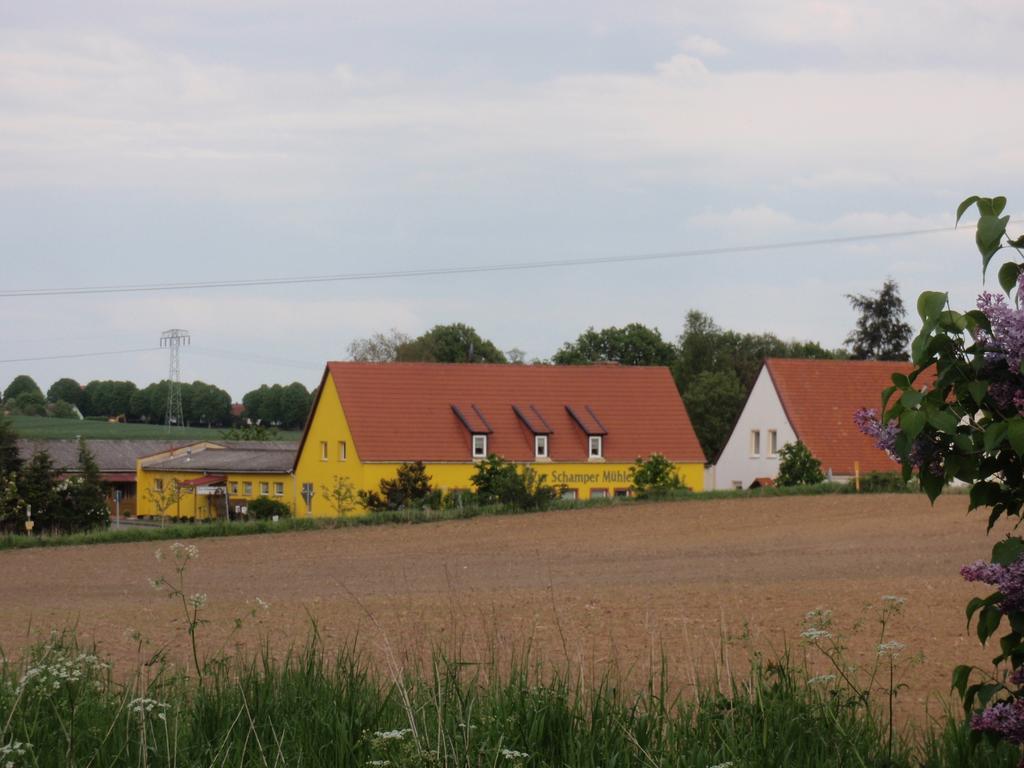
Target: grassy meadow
44,427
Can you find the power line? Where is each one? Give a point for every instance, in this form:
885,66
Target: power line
469,269
79,354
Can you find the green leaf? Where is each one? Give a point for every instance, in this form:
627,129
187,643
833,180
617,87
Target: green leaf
912,422
994,434
931,303
962,208
911,399
984,494
944,421
1007,551
988,622
989,238
961,676
998,204
931,484
900,380
1015,434
1008,275
978,390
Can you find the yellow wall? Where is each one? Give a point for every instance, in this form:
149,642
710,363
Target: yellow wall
328,424
195,506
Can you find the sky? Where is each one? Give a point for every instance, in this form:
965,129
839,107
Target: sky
209,140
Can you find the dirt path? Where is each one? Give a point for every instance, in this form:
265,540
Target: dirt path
697,581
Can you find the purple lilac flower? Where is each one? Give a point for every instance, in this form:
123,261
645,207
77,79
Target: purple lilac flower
867,422
1005,719
1006,342
1017,678
1005,395
926,456
1008,579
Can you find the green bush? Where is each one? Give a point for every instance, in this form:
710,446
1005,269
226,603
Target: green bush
654,477
264,509
883,482
797,466
499,482
410,488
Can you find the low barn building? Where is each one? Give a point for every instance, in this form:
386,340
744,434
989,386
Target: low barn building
207,481
581,426
812,401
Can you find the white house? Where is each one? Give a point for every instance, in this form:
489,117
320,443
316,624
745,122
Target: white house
812,401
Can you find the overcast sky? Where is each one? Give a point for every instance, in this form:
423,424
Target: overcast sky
214,139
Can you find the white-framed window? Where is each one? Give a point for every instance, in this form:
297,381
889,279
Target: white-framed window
264,489
234,487
570,494
158,484
279,489
540,446
479,446
599,493
773,443
623,493
342,450
755,442
596,447
323,450
247,489
737,485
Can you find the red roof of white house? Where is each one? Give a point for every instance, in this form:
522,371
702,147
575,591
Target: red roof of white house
429,411
820,398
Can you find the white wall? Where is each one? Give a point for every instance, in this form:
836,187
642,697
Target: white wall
763,412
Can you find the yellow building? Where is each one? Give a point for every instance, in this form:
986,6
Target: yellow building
581,426
205,481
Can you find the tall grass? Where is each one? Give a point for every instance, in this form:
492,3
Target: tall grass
312,708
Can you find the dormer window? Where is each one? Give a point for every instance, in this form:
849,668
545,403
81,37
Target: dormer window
540,446
479,446
596,447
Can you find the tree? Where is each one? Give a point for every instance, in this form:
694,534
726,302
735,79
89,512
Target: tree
20,385
164,497
378,347
499,482
455,343
294,404
36,483
411,487
209,405
340,495
63,410
654,477
80,499
10,459
68,390
714,400
881,332
29,404
633,344
108,398
797,466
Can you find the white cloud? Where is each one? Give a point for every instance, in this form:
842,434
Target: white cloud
703,46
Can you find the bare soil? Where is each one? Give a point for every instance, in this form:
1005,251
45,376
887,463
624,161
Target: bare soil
699,584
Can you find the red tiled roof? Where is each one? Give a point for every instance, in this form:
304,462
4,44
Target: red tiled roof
820,398
403,411
204,480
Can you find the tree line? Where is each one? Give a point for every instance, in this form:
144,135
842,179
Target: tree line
714,368
284,406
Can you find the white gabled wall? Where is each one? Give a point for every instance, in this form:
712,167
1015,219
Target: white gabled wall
763,412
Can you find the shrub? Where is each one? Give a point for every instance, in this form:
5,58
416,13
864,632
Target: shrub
410,488
883,482
654,477
797,466
264,508
499,482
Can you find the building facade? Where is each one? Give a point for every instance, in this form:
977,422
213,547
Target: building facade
580,426
812,401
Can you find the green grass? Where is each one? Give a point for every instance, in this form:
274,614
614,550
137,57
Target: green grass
38,427
312,709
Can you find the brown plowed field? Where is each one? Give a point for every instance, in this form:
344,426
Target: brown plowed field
700,582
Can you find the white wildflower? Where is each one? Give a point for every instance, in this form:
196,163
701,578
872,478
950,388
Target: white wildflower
379,763
821,679
511,754
894,600
396,735
198,600
891,648
728,764
143,707
261,604
159,554
814,634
